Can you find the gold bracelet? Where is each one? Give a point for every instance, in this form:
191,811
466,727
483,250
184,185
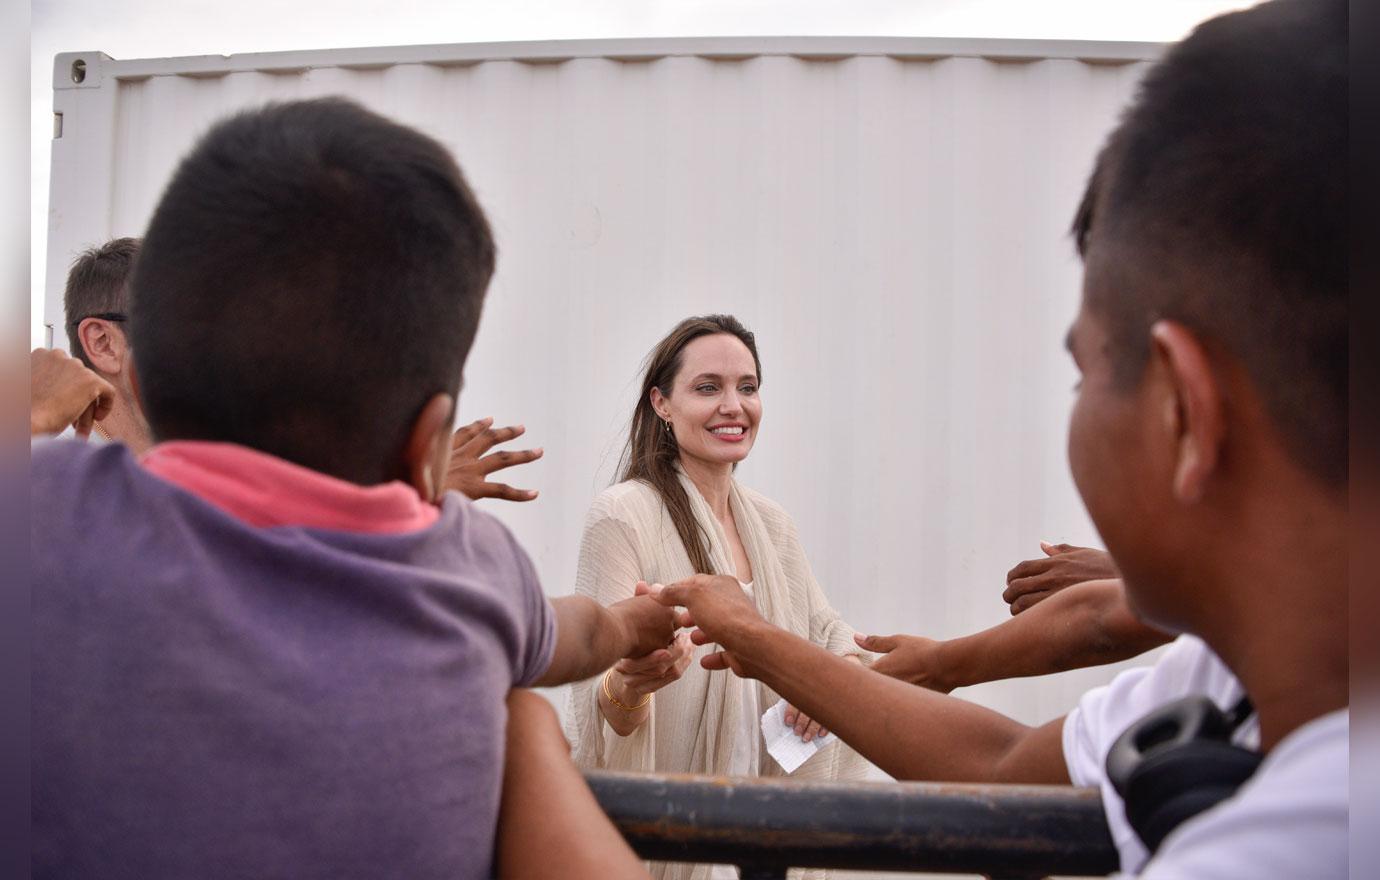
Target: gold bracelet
614,700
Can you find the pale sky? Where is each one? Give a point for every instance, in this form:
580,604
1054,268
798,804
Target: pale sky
126,29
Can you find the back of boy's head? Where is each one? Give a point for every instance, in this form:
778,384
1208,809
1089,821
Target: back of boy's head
1220,202
312,276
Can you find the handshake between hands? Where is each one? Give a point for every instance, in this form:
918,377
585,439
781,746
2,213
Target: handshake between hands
715,610
714,607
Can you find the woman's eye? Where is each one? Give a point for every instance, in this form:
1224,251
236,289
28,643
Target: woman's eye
748,389
707,388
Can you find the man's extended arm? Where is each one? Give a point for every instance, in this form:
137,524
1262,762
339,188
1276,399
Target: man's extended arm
590,638
1086,624
909,732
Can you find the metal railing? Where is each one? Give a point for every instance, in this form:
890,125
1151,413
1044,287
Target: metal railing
764,826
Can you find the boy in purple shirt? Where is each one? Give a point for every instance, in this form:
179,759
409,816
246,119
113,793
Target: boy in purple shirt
270,647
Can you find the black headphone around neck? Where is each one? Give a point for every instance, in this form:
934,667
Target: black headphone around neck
1177,762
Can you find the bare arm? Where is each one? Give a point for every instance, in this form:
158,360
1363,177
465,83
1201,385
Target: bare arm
633,681
1087,624
549,824
64,392
590,638
909,732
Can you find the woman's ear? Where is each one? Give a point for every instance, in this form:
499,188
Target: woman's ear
427,454
659,403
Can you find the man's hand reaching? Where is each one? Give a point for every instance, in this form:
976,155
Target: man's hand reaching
720,612
910,658
1063,565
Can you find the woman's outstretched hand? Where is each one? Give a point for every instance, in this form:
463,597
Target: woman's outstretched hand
650,673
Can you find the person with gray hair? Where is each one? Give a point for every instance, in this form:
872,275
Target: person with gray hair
96,303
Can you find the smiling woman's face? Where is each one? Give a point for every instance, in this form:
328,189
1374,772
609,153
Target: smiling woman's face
713,405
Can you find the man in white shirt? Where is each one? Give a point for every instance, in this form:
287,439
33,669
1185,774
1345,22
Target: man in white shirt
1209,444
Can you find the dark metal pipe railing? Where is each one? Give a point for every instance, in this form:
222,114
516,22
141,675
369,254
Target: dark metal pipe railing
767,825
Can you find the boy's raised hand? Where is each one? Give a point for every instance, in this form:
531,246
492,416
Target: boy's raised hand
469,466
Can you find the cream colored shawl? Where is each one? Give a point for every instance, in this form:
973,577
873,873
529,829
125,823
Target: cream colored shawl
629,537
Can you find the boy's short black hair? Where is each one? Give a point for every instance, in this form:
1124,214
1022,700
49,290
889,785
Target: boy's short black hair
1220,202
312,276
97,284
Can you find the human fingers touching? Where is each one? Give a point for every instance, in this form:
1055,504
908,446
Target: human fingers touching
661,668
655,663
716,606
647,624
914,659
879,644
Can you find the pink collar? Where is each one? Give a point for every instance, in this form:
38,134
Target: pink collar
264,490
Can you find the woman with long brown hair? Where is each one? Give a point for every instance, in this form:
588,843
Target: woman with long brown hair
675,512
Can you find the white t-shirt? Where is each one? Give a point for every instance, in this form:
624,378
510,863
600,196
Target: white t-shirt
1288,821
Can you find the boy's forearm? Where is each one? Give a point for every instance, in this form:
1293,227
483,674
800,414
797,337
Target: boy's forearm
1039,641
910,732
549,821
589,639
1083,625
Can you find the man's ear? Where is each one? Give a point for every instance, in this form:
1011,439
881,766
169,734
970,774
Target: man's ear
427,453
105,347
1194,410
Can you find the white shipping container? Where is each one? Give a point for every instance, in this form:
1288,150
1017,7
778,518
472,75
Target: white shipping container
889,215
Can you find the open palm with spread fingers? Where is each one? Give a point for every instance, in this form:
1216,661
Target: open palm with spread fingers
470,468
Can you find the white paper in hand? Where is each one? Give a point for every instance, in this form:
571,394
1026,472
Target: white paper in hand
789,750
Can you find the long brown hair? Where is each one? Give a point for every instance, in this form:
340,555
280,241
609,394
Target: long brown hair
651,453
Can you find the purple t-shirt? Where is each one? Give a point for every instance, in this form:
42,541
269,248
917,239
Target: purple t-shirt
216,700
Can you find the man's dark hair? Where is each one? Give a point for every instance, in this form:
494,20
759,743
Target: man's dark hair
312,276
1220,202
97,284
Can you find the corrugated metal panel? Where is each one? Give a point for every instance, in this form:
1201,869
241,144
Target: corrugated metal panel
888,214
